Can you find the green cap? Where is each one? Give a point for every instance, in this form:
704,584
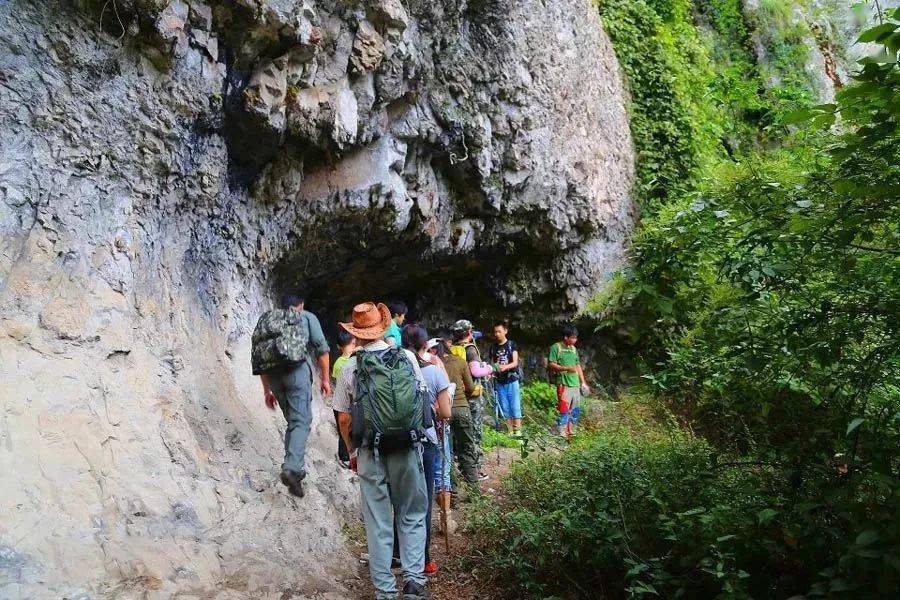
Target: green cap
462,325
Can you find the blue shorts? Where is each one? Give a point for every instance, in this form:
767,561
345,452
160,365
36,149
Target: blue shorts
510,399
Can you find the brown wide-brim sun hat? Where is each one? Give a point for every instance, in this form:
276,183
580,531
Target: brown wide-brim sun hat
370,321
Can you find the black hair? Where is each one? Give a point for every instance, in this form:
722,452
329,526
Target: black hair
397,307
502,323
344,337
569,331
459,335
441,348
291,300
414,337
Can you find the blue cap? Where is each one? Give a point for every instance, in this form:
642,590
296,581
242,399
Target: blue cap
477,335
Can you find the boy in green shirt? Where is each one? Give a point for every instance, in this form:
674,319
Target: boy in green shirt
565,367
347,346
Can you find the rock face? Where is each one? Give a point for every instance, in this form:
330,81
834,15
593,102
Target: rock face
167,167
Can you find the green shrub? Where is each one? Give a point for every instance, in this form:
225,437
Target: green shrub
539,397
620,512
491,438
765,301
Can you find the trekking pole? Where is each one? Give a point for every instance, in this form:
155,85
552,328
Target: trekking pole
498,415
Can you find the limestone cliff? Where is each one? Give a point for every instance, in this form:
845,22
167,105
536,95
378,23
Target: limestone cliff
166,167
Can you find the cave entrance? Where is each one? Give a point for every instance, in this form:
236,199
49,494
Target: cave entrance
437,292
357,255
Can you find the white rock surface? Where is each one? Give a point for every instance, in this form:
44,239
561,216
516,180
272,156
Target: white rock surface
165,169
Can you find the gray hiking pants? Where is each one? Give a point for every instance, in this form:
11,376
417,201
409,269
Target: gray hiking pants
476,406
293,390
393,483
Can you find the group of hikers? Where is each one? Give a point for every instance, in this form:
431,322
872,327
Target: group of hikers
406,407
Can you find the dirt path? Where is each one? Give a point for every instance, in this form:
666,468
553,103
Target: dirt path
454,581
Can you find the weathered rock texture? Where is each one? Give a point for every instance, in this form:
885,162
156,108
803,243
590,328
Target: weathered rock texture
166,166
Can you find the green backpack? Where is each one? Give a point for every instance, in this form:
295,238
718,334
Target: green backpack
388,408
279,340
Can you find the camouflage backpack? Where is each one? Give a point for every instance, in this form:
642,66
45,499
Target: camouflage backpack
279,340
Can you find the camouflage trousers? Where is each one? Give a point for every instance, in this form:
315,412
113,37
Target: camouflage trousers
476,406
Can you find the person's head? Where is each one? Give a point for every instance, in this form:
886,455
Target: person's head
570,335
398,310
369,322
501,329
414,338
292,300
437,346
462,331
345,340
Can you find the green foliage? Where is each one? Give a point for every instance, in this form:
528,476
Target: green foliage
668,70
765,297
621,512
491,438
539,398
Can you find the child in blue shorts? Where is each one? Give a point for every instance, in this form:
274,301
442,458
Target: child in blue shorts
505,358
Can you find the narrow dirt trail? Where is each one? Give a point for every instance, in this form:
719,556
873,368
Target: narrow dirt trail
454,579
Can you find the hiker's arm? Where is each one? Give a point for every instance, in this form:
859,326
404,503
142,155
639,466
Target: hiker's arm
480,369
344,426
581,376
442,410
468,383
559,368
324,361
343,394
512,364
268,395
391,341
320,349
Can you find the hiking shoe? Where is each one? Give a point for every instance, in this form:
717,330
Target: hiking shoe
430,568
293,481
482,476
414,591
344,462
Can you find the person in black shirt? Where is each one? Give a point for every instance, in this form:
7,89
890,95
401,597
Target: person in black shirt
505,358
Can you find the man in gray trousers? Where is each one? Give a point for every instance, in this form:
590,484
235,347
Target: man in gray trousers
291,388
390,482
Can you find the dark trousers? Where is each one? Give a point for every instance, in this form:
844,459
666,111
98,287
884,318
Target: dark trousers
464,443
342,447
430,458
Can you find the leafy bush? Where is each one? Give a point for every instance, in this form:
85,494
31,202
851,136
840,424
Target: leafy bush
539,400
619,512
491,438
765,300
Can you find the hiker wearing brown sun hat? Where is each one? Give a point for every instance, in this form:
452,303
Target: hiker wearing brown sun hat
380,396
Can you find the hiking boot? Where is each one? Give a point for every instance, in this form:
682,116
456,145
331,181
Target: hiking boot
430,568
414,591
482,476
293,481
